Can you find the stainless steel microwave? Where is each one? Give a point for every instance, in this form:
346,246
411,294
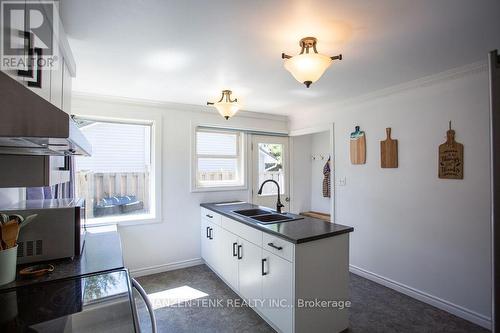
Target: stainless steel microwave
57,232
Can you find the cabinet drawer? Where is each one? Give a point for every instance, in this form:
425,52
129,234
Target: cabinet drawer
210,216
243,231
278,246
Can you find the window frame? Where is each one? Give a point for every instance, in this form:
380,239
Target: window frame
240,156
155,213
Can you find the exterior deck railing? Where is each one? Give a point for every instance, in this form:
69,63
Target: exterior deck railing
93,186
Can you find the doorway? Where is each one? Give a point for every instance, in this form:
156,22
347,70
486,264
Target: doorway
313,174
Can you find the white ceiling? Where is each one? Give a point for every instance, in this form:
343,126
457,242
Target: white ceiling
187,51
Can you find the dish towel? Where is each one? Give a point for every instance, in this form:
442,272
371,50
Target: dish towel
326,179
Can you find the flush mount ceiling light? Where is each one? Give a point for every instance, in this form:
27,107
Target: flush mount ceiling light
226,106
308,67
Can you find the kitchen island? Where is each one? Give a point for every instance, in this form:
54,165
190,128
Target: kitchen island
294,274
304,229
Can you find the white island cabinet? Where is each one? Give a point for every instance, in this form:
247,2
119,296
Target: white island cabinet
294,287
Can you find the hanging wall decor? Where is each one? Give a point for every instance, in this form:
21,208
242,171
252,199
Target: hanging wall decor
358,146
389,151
327,191
451,157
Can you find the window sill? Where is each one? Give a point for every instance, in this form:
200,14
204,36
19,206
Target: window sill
219,188
270,195
123,220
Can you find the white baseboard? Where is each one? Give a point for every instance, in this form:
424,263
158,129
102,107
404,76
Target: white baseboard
165,267
439,303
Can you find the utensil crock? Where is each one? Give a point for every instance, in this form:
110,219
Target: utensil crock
8,262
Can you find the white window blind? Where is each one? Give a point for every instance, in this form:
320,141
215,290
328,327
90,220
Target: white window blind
117,147
216,143
218,159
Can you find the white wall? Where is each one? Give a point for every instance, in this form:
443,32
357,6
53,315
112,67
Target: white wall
320,146
427,236
300,169
307,175
176,240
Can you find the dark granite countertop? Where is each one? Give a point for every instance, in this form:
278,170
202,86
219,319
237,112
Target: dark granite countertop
102,252
306,229
99,302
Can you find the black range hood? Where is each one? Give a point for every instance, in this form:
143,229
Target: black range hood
30,125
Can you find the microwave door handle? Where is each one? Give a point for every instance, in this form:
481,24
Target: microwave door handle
144,296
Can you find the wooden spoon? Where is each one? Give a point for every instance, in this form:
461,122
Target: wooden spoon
10,232
2,244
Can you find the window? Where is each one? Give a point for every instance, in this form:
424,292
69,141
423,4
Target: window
271,167
218,161
116,180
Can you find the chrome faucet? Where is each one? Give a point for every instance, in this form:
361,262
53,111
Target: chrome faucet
279,205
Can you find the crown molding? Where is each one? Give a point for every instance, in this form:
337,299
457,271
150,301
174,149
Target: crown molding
171,105
426,81
449,75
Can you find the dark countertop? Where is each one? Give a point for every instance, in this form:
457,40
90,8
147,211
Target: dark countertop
92,303
102,252
306,229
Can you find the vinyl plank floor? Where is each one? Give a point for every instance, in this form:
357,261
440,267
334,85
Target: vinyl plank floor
375,308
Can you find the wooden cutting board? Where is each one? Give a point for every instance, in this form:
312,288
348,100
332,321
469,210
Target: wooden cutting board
389,151
358,147
451,157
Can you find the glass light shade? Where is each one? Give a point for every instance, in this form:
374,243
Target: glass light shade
227,109
308,67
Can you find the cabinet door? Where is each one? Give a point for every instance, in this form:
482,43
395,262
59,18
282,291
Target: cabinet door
229,257
205,248
277,286
215,247
249,270
210,244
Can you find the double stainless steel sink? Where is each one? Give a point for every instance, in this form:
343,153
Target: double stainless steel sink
266,216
